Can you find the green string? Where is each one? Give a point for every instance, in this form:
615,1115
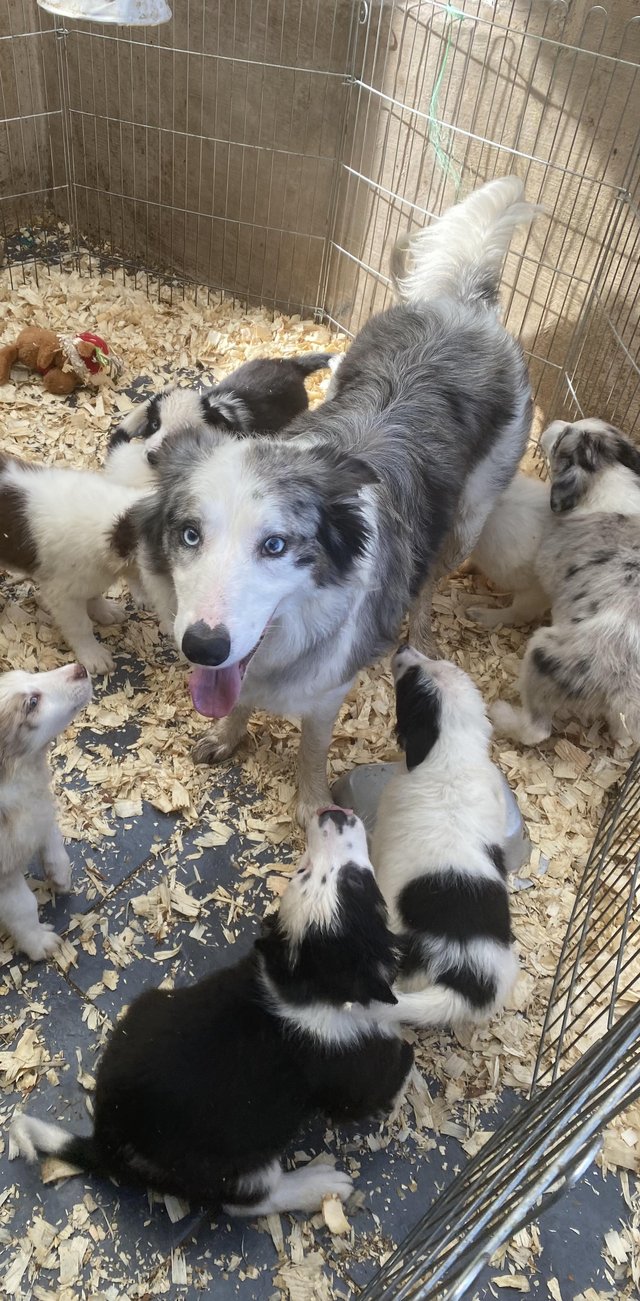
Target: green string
436,133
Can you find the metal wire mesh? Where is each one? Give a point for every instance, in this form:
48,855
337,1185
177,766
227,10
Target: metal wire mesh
598,975
275,151
545,1147
587,1070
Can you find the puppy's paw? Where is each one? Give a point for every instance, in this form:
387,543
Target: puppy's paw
40,943
215,746
58,873
515,723
318,1182
505,718
97,660
110,612
308,805
486,615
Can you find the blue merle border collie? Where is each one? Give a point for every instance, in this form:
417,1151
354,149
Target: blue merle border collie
200,1089
438,851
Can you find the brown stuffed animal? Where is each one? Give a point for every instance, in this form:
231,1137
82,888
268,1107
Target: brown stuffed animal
64,361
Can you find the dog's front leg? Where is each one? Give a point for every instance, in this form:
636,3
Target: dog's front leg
315,739
56,862
19,915
221,741
71,615
420,629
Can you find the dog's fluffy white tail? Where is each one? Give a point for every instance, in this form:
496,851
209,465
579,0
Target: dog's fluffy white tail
461,255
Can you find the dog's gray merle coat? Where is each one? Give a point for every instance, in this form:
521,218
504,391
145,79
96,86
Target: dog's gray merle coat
389,480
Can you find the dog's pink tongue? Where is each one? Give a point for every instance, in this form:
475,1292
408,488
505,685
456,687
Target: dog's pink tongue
214,692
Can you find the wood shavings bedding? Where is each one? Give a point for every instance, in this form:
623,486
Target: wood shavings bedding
560,786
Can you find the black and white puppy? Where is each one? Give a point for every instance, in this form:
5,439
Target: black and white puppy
438,851
262,395
200,1089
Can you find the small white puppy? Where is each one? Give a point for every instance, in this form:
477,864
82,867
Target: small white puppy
438,851
60,528
506,552
589,562
34,708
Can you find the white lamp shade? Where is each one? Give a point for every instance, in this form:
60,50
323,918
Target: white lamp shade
128,13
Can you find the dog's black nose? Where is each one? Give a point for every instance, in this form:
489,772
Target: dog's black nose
341,818
204,645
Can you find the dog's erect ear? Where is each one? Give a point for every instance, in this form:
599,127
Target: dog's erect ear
418,714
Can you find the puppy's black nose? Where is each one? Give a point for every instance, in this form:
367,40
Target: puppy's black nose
204,645
341,818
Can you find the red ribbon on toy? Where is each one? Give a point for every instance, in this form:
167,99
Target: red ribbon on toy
92,364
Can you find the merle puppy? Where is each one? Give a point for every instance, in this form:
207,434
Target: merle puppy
264,395
588,661
200,1089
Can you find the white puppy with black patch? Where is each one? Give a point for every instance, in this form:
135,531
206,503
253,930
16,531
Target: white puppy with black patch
438,851
34,709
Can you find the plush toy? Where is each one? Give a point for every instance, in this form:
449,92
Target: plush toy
64,360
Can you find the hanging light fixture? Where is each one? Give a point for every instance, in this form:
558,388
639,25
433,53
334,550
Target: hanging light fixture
128,13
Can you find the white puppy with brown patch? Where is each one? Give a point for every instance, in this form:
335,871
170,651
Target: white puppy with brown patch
34,709
59,527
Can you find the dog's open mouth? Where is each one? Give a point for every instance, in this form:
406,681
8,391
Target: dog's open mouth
214,692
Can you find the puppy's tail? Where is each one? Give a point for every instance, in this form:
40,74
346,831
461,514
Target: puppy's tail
461,255
29,1137
308,362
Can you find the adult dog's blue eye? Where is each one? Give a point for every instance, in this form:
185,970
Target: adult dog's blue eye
273,547
190,536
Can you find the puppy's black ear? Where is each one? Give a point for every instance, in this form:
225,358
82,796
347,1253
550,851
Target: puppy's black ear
380,991
418,715
568,488
118,436
272,947
142,521
627,454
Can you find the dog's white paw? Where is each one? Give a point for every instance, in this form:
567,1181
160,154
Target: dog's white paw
97,661
515,723
505,717
320,1182
40,943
